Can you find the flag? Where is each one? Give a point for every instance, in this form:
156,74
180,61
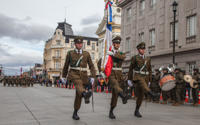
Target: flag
106,62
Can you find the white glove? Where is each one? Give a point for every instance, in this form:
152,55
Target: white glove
63,80
92,80
110,53
130,83
103,75
149,84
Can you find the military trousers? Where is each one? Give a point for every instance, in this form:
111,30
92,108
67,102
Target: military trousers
95,86
115,91
182,94
173,94
156,90
178,95
148,95
4,83
143,88
165,95
80,88
195,94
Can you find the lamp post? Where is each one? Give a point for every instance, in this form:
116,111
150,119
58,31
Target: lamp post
174,5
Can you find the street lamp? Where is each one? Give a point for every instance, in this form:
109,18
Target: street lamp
174,5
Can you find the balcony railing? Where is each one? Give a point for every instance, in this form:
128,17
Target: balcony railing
56,57
191,39
171,43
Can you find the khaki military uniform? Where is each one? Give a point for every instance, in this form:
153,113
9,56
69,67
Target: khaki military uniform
136,90
116,78
9,81
5,81
17,81
13,81
155,84
77,77
195,91
179,87
140,79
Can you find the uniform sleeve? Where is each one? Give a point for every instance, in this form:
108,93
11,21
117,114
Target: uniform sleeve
181,77
150,71
91,66
198,81
99,65
66,66
119,56
130,72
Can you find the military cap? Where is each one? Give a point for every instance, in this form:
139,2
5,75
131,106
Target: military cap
116,39
78,39
156,70
183,71
141,45
177,69
165,69
196,69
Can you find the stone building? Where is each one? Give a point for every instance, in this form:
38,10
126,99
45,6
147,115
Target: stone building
151,21
56,49
116,28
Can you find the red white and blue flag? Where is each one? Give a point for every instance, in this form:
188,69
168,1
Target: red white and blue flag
106,62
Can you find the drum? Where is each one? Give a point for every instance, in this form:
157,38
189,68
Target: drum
167,83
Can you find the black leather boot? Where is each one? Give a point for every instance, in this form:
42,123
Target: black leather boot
137,113
111,115
154,96
87,96
75,115
124,97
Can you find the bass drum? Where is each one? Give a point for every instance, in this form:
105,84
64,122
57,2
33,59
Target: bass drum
167,83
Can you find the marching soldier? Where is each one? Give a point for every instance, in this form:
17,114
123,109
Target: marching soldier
143,76
155,84
5,80
78,59
179,83
195,91
183,86
9,81
116,77
17,81
165,94
13,80
24,81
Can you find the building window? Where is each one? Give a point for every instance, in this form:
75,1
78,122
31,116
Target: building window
83,45
176,31
142,7
57,64
72,44
128,44
128,16
58,42
93,46
57,53
141,37
153,5
152,37
92,56
191,26
191,66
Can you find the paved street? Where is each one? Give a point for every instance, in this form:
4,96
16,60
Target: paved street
54,106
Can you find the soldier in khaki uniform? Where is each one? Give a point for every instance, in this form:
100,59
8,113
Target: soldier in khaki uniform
17,81
155,84
182,94
24,81
9,81
195,91
5,80
13,81
77,60
116,78
179,83
143,76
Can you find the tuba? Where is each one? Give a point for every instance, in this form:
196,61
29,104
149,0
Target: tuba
161,71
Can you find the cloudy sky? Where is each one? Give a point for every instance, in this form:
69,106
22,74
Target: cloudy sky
25,25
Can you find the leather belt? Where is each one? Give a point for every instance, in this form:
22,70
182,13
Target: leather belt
116,68
142,72
79,68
